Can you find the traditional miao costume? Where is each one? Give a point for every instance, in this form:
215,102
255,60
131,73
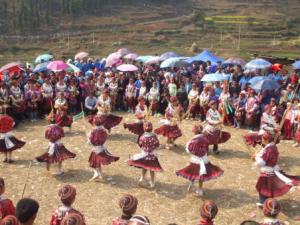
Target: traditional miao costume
104,108
212,129
199,169
130,94
271,209
193,107
153,99
8,142
47,92
251,110
17,102
67,195
62,118
100,155
140,114
208,212
170,129
267,123
272,182
56,152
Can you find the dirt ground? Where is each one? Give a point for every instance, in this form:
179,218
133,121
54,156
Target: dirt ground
234,192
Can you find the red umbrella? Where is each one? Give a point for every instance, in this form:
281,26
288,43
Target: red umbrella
11,68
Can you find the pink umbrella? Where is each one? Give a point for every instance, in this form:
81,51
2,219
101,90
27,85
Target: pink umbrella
113,59
131,56
10,66
127,68
81,55
153,60
124,51
57,66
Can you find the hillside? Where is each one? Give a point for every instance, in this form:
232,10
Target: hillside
229,27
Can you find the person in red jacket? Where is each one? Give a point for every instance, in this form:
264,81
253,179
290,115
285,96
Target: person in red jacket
6,205
56,152
128,204
8,143
271,210
67,196
100,155
199,169
208,212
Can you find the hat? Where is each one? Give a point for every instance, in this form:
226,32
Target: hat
141,220
9,220
72,218
208,210
147,126
128,204
67,194
271,207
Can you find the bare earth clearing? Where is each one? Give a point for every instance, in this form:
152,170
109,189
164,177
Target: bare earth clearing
234,192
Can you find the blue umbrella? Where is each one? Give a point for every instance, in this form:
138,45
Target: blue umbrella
174,62
168,55
256,64
143,58
41,67
215,77
253,80
265,84
296,65
43,58
204,57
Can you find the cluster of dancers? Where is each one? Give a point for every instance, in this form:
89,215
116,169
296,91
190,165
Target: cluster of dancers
272,182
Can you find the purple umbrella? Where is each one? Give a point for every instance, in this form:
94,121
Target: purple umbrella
57,66
113,59
153,60
235,61
131,56
127,68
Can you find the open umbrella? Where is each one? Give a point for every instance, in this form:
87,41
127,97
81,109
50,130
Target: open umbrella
234,61
127,68
57,66
153,60
253,80
265,84
10,66
41,67
131,56
205,56
174,62
81,55
113,59
43,58
72,68
256,64
143,58
168,55
215,77
296,65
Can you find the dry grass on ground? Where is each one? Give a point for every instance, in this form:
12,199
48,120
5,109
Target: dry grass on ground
234,192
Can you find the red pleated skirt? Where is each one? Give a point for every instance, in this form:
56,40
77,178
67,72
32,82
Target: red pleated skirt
216,138
147,164
60,154
97,160
135,128
64,121
18,144
169,131
253,138
110,120
272,186
191,172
